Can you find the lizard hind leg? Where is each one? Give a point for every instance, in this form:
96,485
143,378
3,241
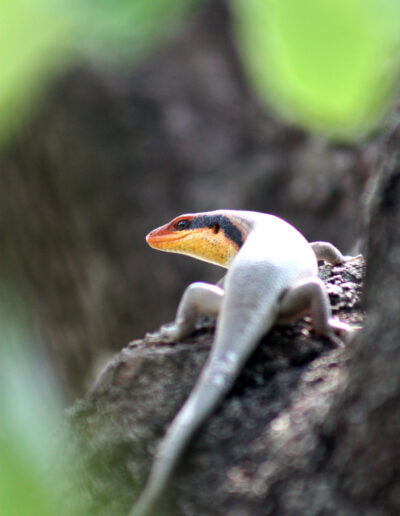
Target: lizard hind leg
310,296
329,253
198,299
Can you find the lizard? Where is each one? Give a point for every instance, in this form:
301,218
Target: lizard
272,278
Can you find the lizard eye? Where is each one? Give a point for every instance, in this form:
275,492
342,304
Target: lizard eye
215,228
181,224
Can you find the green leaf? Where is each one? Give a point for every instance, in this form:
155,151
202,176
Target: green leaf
32,446
330,65
34,36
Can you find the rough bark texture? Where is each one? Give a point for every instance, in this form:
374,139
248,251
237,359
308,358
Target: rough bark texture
365,426
267,433
112,154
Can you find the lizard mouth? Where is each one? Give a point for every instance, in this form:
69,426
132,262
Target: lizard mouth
162,237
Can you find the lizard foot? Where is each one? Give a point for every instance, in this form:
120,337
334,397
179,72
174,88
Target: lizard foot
340,332
170,333
167,333
348,259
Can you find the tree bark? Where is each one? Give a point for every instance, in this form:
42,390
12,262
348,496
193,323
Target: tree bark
254,453
306,430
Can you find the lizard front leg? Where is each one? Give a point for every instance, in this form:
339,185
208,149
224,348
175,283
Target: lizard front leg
198,299
329,253
310,296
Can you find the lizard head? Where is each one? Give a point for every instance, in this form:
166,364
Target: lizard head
211,237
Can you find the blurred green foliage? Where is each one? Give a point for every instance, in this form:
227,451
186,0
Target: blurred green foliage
22,489
33,37
32,447
330,65
114,29
40,37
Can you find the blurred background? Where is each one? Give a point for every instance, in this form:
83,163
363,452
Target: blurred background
116,116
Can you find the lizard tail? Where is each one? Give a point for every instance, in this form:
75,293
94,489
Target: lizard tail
214,382
241,324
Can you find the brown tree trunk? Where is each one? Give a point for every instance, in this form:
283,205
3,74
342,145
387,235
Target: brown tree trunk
307,429
258,454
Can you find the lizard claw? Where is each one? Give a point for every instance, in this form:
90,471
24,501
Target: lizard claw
166,333
169,332
341,332
348,259
172,332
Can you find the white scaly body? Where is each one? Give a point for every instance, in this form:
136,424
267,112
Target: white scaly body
272,278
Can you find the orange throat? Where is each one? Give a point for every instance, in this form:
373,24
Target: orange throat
201,243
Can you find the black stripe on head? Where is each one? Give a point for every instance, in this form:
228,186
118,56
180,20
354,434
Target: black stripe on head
210,221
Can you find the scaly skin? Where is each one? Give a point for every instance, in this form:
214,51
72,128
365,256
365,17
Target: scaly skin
272,277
